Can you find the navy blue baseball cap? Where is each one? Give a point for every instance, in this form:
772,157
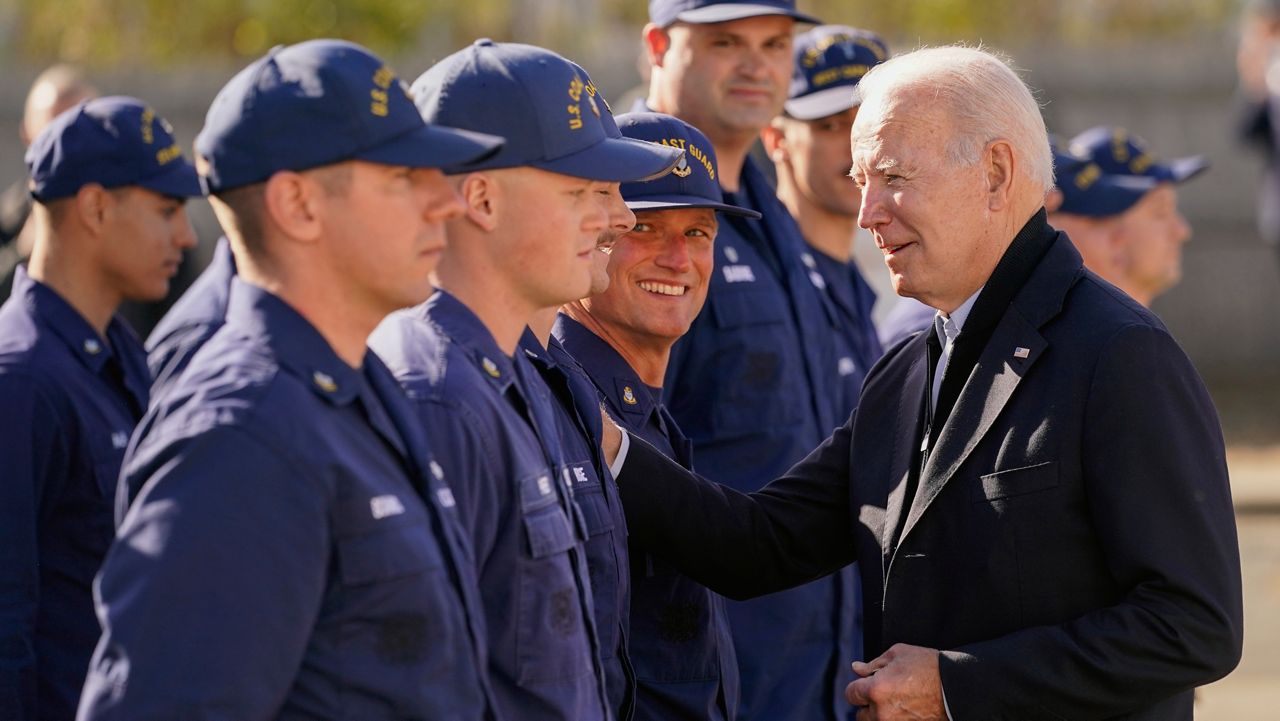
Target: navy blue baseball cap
321,102
547,108
1090,191
693,183
830,60
698,12
1119,153
114,142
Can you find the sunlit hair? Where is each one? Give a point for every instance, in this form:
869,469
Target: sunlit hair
983,97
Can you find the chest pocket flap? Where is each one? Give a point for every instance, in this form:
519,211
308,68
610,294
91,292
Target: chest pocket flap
1016,482
548,531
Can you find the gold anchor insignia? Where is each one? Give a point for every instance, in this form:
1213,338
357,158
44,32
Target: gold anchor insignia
324,382
629,396
490,367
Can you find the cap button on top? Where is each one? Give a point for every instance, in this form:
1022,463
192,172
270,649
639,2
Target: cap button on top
484,42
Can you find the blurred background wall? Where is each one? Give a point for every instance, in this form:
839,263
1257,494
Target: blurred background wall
1163,68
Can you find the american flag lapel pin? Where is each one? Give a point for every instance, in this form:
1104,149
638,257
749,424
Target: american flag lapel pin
1021,352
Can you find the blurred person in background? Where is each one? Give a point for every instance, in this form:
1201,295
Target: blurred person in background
1258,104
58,88
753,383
109,185
1139,249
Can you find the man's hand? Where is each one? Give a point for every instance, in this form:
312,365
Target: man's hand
611,440
903,684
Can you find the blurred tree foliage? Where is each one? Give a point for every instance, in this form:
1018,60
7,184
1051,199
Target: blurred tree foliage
137,33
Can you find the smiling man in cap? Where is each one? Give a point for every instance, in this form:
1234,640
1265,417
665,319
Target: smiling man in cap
525,241
659,272
753,383
292,550
109,186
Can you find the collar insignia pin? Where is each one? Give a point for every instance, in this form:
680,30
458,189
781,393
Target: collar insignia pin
629,396
92,346
324,382
490,367
1021,352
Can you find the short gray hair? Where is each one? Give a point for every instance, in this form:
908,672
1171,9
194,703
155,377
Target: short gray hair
984,98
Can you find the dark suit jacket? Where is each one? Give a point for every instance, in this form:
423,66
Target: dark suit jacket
1071,548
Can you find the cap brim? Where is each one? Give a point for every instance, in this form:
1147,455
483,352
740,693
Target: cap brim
180,180
736,11
1184,169
668,202
434,146
822,103
616,160
1109,195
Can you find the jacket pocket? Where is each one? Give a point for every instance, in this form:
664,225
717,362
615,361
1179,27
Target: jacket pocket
551,634
1016,482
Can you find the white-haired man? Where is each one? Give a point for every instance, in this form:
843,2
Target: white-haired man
1035,490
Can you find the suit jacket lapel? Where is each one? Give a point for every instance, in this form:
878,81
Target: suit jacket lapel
992,383
1014,347
905,435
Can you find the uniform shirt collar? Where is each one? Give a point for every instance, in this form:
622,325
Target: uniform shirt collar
470,335
531,347
607,368
296,344
67,323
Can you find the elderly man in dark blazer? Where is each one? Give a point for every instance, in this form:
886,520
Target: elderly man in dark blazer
1034,489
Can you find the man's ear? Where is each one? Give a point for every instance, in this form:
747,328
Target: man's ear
656,42
999,165
481,195
774,141
93,206
294,203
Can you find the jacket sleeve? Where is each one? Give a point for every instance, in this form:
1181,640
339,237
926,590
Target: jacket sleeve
211,590
1155,475
33,459
794,530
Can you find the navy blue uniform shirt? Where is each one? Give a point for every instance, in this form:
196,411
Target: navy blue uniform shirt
197,315
753,385
857,344
497,441
293,551
70,400
681,646
577,415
